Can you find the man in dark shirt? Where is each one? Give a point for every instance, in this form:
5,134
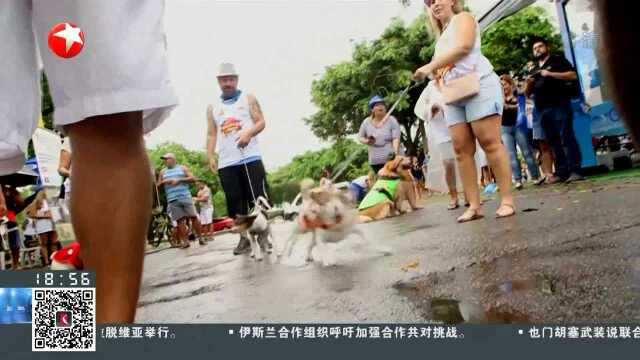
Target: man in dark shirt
551,83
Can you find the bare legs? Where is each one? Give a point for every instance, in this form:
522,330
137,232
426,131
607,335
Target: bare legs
111,206
487,131
546,158
450,177
183,231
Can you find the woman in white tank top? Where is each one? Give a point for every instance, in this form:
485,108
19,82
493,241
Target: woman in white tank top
477,118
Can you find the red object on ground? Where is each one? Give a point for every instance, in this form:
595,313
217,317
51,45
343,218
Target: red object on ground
221,224
67,258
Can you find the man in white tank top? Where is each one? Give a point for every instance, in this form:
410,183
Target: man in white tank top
232,146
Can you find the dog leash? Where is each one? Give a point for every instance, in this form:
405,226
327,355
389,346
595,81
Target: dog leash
246,170
412,84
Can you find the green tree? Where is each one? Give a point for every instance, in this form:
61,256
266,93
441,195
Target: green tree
47,102
198,163
384,67
46,110
508,43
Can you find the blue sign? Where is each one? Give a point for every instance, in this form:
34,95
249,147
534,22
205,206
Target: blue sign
605,120
15,305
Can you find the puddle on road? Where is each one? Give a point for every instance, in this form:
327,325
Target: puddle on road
543,283
453,312
339,278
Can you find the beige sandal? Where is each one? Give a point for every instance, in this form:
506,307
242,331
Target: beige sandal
513,212
470,215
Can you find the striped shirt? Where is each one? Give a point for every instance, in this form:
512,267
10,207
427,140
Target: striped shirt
179,191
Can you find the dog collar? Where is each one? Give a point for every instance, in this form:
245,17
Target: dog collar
309,224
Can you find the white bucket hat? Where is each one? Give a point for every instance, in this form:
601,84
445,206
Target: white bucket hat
227,69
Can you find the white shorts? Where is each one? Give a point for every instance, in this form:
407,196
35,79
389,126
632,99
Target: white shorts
446,151
122,67
206,216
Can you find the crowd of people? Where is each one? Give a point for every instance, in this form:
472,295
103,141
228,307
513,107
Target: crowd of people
105,113
504,114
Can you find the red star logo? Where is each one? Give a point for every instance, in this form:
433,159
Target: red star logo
66,40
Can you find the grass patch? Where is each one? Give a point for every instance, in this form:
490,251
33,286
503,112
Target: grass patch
614,175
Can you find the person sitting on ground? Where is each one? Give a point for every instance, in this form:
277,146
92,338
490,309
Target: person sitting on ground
359,187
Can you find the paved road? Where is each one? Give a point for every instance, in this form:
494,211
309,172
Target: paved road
574,257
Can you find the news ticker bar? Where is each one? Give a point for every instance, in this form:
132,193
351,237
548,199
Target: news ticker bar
358,332
159,340
375,332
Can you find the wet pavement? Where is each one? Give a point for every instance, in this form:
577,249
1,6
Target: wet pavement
573,256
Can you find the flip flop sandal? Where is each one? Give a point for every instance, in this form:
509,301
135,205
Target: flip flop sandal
453,206
466,218
508,215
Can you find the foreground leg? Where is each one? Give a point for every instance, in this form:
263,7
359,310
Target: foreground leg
464,146
488,133
546,158
450,177
112,176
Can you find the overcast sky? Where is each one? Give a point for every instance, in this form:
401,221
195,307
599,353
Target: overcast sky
278,47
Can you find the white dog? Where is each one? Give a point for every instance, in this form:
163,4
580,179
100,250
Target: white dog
328,212
258,228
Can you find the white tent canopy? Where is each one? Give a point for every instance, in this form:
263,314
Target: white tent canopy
500,10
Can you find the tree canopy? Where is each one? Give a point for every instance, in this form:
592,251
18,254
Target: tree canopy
384,67
508,44
380,67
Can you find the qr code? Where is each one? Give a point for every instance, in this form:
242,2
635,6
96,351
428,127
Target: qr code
63,319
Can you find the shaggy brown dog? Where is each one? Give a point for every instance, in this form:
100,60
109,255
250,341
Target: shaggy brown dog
396,169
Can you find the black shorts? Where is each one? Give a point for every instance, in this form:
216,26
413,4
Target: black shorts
237,189
13,236
376,168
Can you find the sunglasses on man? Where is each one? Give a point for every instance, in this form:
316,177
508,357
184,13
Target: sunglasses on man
428,3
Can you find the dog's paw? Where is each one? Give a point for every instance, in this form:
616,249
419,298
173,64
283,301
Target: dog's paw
309,259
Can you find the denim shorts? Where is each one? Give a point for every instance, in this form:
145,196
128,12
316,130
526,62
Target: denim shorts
489,101
538,131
